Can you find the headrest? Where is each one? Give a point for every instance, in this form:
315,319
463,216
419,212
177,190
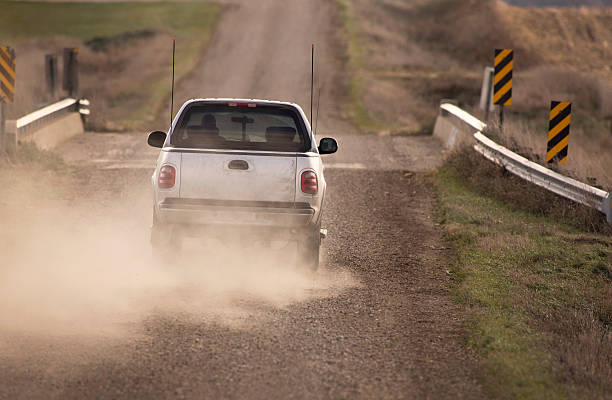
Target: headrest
209,122
284,133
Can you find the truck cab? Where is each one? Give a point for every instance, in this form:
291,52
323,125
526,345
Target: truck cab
240,166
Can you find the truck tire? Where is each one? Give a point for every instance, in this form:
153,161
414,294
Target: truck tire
164,241
309,247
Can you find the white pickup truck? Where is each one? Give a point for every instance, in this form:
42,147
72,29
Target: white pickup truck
234,167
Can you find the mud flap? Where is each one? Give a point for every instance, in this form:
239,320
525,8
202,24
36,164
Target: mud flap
309,246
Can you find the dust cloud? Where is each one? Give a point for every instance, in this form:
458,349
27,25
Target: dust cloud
69,272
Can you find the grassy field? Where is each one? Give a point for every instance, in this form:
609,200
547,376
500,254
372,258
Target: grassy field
84,21
407,55
124,51
355,55
539,291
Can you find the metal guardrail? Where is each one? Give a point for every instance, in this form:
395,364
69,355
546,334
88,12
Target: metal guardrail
463,116
49,113
550,180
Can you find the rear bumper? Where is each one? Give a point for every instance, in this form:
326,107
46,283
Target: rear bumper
235,213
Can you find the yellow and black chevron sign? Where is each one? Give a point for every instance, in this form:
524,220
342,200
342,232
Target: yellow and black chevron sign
502,78
7,74
558,131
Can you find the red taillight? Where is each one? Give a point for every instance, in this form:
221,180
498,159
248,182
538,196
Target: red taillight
167,175
309,182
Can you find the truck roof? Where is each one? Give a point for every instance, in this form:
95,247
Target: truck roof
238,100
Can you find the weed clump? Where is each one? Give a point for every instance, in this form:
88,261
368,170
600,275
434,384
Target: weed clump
491,179
103,43
28,153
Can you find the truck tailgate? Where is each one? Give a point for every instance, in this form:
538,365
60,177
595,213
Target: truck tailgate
238,176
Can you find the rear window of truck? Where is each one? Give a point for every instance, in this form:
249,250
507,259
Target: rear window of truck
237,126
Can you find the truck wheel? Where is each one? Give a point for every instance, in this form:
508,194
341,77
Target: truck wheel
164,241
308,250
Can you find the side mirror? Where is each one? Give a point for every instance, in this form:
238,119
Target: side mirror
157,139
328,146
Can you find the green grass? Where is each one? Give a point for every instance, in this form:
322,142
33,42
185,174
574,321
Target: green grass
360,115
191,23
529,282
84,21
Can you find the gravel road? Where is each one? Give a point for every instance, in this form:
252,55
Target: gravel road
376,321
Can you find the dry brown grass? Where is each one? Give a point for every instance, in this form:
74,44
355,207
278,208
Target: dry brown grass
115,81
578,331
125,53
420,51
469,30
587,161
535,88
496,181
591,127
404,81
585,347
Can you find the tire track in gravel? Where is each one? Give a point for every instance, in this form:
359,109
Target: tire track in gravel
387,329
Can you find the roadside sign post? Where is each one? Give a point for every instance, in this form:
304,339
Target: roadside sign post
51,73
2,123
486,92
71,71
7,86
558,131
608,207
502,81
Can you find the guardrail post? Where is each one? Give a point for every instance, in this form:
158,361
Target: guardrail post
486,92
10,137
83,109
51,73
444,113
2,123
608,207
71,71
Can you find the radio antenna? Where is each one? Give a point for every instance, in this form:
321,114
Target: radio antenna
318,104
311,79
172,95
316,121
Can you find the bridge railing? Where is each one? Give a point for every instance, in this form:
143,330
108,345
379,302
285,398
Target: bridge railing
49,113
520,166
39,119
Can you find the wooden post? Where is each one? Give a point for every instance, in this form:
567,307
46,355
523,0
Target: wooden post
10,137
2,118
71,71
51,73
489,95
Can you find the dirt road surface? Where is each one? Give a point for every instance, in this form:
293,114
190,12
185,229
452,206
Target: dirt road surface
85,312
